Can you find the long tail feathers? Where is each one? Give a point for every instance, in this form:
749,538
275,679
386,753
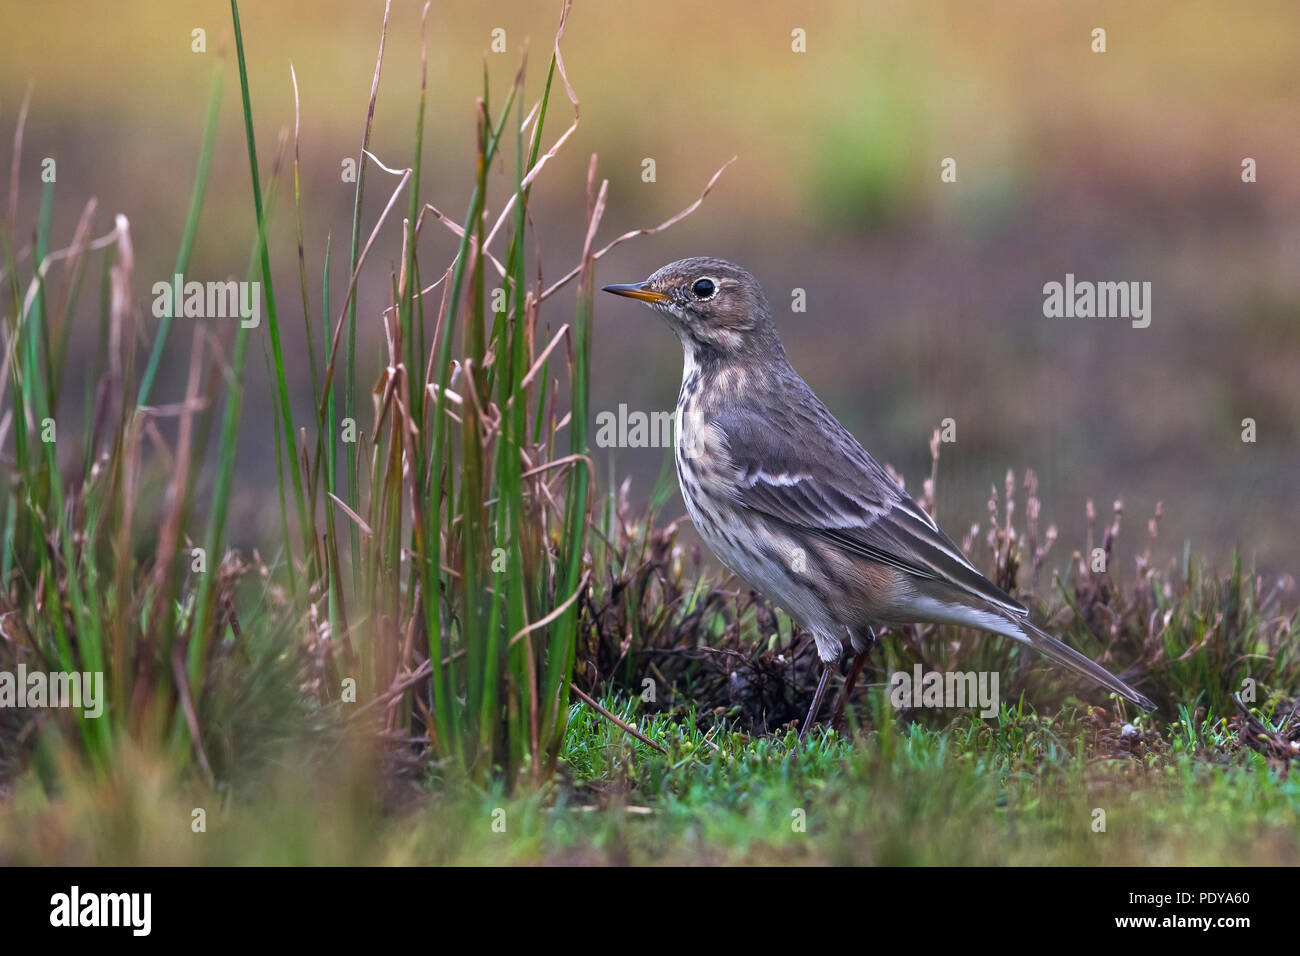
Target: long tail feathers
1068,657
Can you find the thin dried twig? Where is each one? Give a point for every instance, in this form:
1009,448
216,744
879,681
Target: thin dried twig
608,716
648,231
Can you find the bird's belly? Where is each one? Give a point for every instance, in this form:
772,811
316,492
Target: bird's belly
768,560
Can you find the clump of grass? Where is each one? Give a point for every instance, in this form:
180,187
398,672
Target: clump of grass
434,519
1020,789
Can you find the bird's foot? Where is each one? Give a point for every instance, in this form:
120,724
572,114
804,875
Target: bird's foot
817,702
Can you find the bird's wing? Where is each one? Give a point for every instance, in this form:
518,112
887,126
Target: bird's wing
813,475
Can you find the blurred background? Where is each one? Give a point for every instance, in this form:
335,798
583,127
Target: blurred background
924,298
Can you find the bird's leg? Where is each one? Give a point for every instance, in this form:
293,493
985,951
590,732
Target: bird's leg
859,661
817,700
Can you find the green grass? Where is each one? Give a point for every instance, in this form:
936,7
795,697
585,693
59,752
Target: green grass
1018,789
423,547
1021,789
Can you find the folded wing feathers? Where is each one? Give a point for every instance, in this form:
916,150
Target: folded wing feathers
862,510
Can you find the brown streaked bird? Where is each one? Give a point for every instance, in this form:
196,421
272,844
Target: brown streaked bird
792,503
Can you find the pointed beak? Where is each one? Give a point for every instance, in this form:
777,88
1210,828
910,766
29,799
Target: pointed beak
637,290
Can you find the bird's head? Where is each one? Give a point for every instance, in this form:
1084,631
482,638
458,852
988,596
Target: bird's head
713,305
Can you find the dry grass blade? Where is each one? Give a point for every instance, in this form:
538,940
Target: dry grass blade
352,289
611,717
360,522
16,163
647,231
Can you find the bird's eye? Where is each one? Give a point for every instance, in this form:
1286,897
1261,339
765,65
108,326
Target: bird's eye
704,289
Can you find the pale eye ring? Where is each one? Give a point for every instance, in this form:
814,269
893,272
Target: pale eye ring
704,289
